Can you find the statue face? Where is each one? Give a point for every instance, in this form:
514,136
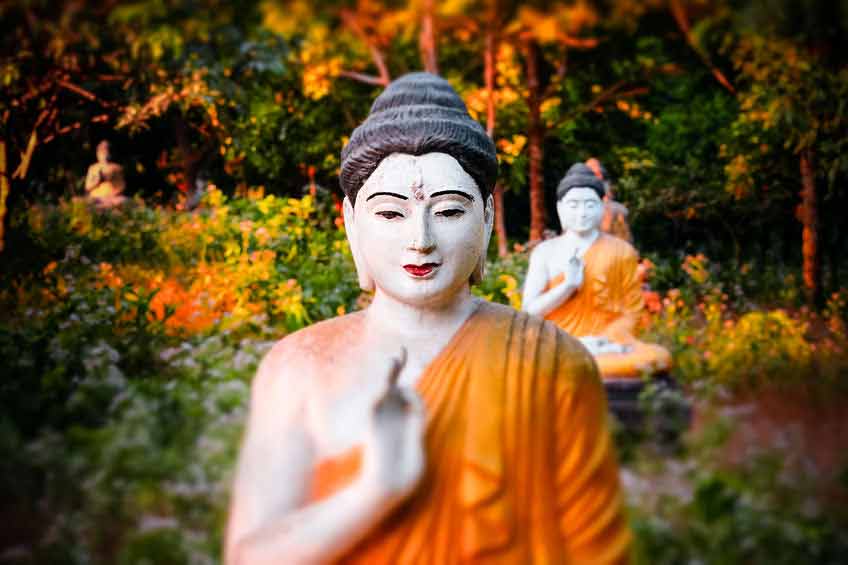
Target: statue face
580,210
103,152
420,227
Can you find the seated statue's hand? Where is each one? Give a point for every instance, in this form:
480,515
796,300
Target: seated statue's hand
393,460
574,272
600,345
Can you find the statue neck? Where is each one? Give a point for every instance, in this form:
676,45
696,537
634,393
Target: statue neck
390,316
582,239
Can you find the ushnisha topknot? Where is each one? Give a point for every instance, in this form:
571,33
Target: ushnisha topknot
416,114
579,175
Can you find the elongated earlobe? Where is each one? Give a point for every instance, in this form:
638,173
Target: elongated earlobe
366,281
488,217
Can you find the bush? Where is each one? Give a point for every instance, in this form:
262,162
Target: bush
130,339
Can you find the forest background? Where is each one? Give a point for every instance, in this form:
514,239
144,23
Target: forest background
130,336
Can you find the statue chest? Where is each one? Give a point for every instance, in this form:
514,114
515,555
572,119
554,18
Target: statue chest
340,418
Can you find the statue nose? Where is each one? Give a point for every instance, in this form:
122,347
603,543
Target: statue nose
422,239
422,245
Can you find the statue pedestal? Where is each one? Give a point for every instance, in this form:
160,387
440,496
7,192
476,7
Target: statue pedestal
639,360
663,415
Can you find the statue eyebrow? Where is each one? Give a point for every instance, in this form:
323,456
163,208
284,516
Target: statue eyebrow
459,192
401,196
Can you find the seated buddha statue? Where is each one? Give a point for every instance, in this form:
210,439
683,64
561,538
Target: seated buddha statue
431,426
586,282
104,181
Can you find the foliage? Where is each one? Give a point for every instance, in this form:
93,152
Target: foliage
265,95
722,339
695,508
504,279
144,333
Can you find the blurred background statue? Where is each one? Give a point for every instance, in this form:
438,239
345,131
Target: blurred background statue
104,182
587,283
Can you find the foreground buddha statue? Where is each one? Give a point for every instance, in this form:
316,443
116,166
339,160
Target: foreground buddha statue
433,426
586,282
104,181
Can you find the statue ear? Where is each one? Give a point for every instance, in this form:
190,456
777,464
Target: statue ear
489,222
366,282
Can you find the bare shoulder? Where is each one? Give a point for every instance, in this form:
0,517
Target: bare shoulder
544,252
302,359
545,248
547,344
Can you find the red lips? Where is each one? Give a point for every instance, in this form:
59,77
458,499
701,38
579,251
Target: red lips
420,270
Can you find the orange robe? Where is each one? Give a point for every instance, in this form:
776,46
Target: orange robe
614,220
608,304
520,463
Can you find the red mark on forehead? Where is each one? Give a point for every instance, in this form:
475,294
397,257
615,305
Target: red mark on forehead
418,192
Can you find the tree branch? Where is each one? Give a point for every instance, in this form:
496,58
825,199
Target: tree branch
72,127
682,20
427,39
614,90
82,92
367,79
352,22
564,39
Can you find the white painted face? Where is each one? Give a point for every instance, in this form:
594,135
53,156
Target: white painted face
420,227
580,210
103,152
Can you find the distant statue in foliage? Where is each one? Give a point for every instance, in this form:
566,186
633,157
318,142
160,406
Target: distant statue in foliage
586,282
614,220
104,182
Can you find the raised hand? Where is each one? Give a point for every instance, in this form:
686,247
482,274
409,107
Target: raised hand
394,454
574,271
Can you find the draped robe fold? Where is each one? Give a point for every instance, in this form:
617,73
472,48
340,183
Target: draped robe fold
520,463
608,304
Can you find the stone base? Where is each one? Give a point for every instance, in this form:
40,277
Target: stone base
660,414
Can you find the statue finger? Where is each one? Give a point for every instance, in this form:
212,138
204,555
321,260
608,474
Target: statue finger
395,368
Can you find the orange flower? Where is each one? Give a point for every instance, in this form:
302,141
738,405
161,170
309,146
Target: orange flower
652,301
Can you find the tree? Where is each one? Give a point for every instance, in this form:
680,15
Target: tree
793,77
559,29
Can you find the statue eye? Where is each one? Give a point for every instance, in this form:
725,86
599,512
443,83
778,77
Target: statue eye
450,212
389,214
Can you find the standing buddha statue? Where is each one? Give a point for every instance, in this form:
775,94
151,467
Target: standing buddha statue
432,426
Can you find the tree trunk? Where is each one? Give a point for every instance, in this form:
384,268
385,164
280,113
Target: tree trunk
810,233
535,138
500,221
489,71
427,39
4,192
189,158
